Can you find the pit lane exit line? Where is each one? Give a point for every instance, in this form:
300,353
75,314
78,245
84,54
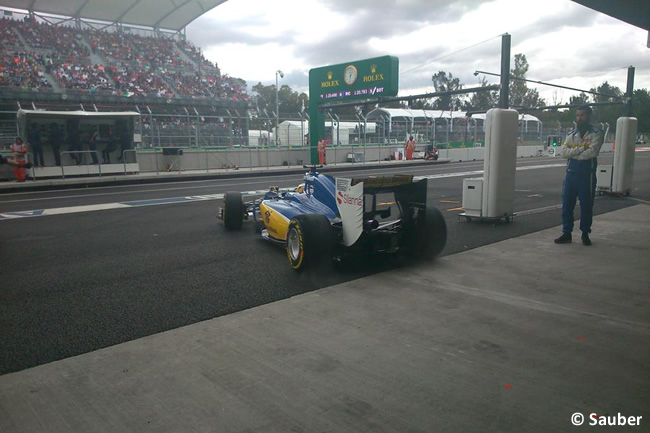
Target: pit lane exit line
107,206
196,198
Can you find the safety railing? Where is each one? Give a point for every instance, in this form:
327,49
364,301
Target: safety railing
178,152
184,160
79,155
179,160
125,153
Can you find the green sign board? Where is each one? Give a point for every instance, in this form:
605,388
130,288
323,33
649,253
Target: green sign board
360,79
369,78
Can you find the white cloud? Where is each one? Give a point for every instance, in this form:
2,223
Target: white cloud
253,63
564,42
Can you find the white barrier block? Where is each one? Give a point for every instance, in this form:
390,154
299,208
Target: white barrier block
624,151
500,162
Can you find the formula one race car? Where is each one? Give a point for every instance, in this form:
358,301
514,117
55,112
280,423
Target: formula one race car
328,219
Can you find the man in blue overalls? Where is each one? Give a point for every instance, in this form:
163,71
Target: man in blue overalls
581,148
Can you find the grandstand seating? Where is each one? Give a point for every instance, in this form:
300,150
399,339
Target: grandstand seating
8,38
139,82
82,77
57,58
109,45
63,40
24,70
194,53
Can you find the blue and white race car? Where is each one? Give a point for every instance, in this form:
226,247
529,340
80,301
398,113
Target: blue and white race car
329,218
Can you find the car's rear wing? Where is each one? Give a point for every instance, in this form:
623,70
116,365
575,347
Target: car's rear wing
383,182
350,195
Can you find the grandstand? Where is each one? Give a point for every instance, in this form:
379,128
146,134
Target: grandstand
120,55
125,56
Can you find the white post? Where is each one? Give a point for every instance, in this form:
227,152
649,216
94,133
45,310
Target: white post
626,128
499,163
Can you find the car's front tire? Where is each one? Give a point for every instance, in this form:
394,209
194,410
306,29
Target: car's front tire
233,211
309,241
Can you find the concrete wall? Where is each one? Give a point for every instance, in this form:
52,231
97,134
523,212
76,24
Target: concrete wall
476,153
198,159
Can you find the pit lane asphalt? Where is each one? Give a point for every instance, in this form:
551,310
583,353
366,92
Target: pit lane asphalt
76,283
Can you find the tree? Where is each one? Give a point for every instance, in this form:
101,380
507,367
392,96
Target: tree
420,104
445,83
566,115
392,104
520,94
557,98
532,99
290,102
518,88
606,89
483,100
580,99
264,97
641,109
607,113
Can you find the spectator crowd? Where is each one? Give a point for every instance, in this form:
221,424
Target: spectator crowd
39,56
24,70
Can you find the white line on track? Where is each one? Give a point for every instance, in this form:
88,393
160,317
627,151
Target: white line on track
192,199
264,180
639,200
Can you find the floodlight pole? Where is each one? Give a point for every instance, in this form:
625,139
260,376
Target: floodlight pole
277,107
630,91
505,71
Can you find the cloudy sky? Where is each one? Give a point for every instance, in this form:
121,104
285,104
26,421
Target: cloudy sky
565,43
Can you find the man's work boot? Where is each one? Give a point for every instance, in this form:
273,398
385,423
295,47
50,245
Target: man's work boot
585,239
564,239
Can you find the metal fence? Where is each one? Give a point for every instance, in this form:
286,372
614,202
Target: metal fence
198,130
242,129
561,129
174,143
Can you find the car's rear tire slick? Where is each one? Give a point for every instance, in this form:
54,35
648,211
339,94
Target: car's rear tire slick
431,234
233,211
427,238
309,242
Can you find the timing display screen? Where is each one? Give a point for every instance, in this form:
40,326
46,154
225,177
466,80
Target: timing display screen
371,91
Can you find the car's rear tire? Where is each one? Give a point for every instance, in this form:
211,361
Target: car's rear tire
431,234
425,237
233,211
309,242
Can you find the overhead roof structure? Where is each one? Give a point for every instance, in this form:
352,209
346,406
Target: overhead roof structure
328,123
21,113
163,14
635,12
416,114
412,114
522,117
